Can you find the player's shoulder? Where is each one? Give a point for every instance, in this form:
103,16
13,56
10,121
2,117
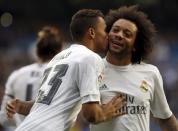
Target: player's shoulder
145,67
81,49
28,68
76,54
85,54
25,69
90,58
148,66
75,50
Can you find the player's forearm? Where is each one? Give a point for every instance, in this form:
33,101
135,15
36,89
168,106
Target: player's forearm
169,124
94,114
25,107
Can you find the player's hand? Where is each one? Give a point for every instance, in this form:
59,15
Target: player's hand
114,107
12,107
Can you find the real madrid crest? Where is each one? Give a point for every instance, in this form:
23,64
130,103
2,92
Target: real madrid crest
144,86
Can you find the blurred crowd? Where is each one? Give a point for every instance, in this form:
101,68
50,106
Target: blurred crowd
165,56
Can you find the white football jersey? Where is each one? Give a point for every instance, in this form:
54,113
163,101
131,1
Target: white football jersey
72,77
22,84
143,87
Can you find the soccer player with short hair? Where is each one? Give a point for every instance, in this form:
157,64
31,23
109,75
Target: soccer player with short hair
72,79
24,83
130,41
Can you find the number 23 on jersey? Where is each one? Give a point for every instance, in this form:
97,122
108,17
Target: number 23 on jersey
53,82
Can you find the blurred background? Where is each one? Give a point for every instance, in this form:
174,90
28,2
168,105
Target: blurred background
20,20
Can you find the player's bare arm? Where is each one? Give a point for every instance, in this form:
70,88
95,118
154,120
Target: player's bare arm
18,106
95,113
169,124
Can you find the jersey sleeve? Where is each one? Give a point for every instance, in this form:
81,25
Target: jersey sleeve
9,87
159,105
90,70
9,95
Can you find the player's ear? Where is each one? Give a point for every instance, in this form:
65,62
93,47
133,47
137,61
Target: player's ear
91,32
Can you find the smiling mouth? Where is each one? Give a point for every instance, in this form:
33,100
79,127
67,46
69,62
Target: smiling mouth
117,44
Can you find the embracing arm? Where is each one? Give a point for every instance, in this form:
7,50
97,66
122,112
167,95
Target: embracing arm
18,106
95,113
169,124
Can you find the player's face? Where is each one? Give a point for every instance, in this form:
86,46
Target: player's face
101,38
122,37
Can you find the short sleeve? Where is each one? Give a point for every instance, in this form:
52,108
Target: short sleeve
9,87
159,105
90,69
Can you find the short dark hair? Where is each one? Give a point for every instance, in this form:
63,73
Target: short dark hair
146,30
49,43
83,20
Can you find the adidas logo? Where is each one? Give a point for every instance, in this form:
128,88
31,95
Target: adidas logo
104,87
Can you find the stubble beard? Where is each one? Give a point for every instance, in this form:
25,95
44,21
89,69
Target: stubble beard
122,54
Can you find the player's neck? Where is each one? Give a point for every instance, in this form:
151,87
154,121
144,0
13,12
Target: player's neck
122,61
89,44
42,61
